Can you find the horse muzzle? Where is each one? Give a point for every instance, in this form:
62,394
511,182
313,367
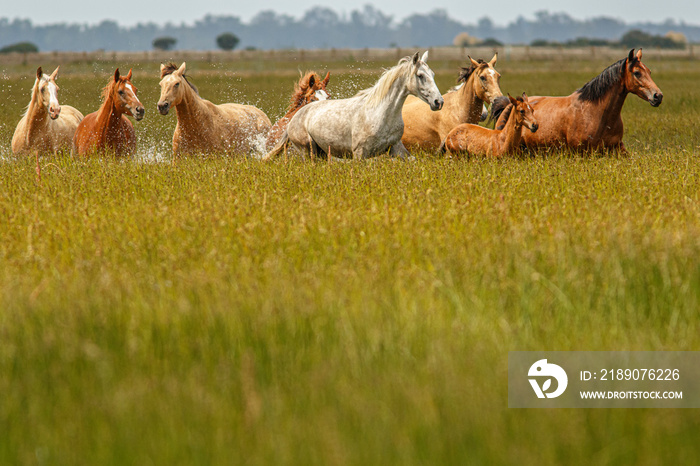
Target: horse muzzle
54,112
656,99
163,108
534,127
140,113
437,104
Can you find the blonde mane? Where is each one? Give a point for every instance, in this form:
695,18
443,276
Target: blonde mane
35,88
380,90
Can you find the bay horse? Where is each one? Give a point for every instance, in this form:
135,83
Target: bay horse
368,124
45,126
590,118
309,89
203,126
463,104
108,129
505,139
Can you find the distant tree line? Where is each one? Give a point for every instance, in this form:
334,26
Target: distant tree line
325,28
631,39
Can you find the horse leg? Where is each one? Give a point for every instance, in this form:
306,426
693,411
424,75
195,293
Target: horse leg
399,150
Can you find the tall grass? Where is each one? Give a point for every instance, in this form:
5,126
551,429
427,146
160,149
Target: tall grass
213,310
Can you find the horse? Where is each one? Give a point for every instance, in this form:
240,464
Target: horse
108,128
463,104
310,88
45,126
203,126
367,124
590,118
505,139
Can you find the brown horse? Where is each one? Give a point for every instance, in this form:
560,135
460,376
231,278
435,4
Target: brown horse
590,117
424,129
108,128
309,89
206,127
505,139
45,126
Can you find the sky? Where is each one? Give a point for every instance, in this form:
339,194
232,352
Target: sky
130,12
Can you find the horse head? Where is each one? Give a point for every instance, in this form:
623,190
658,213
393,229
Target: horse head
423,86
309,89
123,94
524,114
636,78
47,88
172,86
486,79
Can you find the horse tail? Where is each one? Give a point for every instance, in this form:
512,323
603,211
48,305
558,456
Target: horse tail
497,106
279,147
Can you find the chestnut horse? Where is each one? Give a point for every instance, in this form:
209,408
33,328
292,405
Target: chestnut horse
426,130
108,128
45,126
203,126
505,139
309,89
590,118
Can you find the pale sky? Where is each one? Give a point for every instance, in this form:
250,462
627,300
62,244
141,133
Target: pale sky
130,12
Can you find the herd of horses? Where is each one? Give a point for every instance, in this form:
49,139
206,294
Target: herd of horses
404,111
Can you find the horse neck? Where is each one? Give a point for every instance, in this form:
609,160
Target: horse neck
190,109
469,103
511,134
108,115
391,106
609,107
37,115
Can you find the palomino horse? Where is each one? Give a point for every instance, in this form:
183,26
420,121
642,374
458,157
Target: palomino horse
108,128
477,140
463,104
590,117
367,124
203,126
45,126
309,89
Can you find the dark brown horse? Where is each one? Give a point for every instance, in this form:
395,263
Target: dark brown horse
309,89
590,117
108,128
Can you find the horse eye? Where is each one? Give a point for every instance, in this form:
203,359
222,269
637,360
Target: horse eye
483,78
177,84
637,74
121,92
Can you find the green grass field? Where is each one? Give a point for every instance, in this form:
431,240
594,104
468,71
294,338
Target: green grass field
224,311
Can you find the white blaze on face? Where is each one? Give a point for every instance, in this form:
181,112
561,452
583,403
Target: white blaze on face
53,94
128,86
321,94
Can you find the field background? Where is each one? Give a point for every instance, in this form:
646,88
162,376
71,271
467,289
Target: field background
223,311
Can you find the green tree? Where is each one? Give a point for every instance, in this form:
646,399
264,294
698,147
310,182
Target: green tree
22,47
227,41
164,43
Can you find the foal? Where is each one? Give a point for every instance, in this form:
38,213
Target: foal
506,139
108,128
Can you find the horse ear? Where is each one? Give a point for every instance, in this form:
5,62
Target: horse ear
512,100
39,73
424,58
415,58
524,96
128,76
630,58
181,70
474,62
493,61
312,80
54,75
162,67
326,79
116,75
639,54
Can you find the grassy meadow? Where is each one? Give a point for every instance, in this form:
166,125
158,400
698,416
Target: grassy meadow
213,310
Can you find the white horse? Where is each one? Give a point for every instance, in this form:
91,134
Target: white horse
368,124
45,126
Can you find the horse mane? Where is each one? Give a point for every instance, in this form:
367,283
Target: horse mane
170,68
464,73
300,89
597,87
500,106
44,77
380,90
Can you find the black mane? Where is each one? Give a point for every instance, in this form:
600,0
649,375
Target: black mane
170,68
464,73
597,87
